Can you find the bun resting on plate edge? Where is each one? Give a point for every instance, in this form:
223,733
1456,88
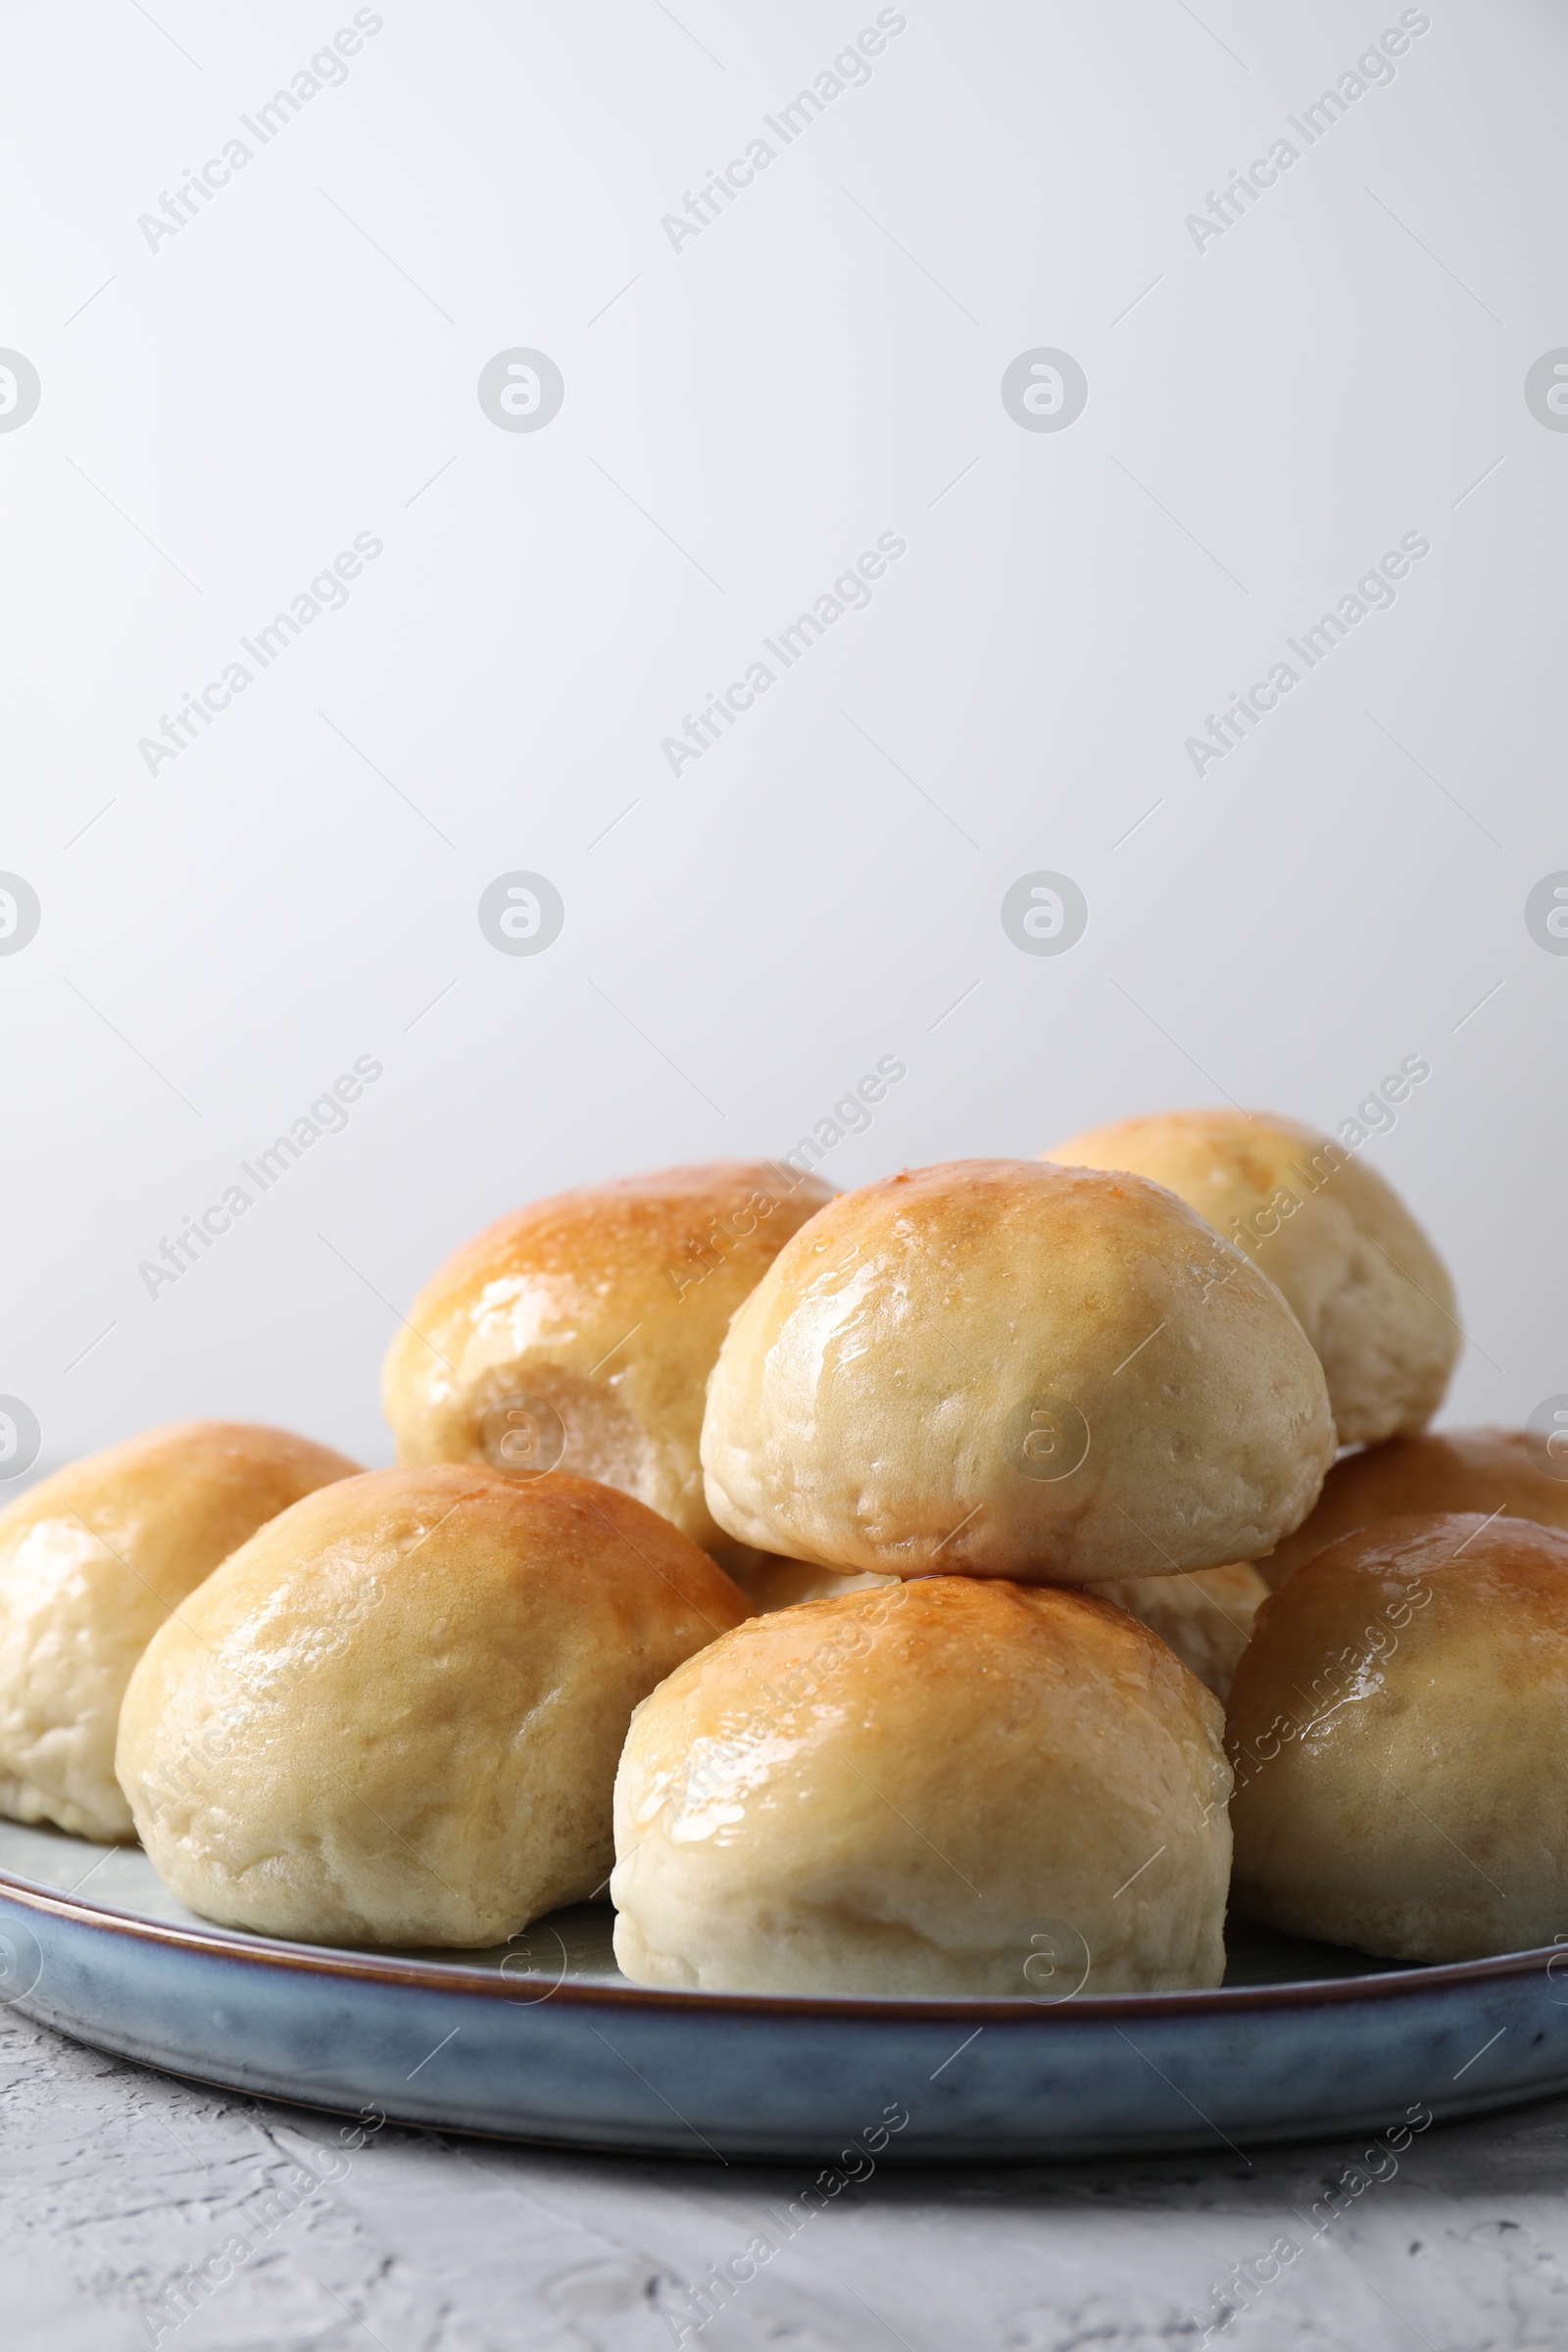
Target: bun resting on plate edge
952,1786
1002,1368
1398,1726
1371,1293
92,1560
394,1715
578,1333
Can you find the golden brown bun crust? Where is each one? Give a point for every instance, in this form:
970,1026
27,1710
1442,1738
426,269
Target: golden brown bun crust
1205,1614
603,1308
900,1389
1482,1470
902,1789
1398,1726
394,1715
92,1559
1206,1617
1371,1293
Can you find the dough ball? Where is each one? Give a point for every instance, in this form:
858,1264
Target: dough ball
394,1715
92,1560
951,1785
1398,1726
1003,1369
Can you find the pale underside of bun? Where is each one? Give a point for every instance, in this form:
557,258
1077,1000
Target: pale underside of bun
1206,1617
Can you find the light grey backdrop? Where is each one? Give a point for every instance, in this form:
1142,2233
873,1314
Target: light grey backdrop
224,406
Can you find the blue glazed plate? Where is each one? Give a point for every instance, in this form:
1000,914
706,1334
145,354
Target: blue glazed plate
544,2039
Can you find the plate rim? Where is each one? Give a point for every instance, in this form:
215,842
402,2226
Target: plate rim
450,1976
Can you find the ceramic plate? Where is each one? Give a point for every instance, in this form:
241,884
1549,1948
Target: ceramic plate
544,2039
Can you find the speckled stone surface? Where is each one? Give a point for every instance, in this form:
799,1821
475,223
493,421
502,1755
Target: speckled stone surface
117,2185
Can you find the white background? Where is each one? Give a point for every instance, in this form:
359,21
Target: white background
819,367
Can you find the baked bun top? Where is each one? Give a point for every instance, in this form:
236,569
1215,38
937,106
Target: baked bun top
1484,1470
578,1333
1010,1369
92,1559
897,1790
1371,1293
1397,1725
394,1715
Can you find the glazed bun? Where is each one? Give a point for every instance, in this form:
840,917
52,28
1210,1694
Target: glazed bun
1006,1369
1207,1618
1484,1470
579,1332
92,1560
393,1716
950,1786
1371,1293
1397,1724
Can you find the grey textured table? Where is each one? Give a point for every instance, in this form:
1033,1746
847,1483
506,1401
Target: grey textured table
118,2185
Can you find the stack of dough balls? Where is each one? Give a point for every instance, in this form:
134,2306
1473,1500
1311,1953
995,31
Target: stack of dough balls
859,1579
92,1561
394,1715
1203,1612
989,1381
